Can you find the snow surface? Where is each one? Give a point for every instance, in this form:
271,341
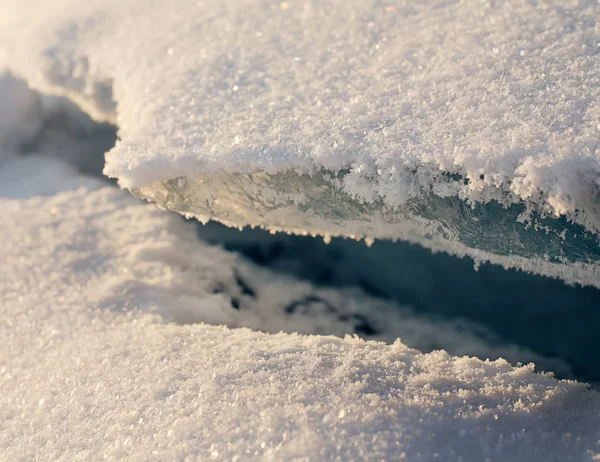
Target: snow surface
93,366
105,299
402,102
479,99
90,369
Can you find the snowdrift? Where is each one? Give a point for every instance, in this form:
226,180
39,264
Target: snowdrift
470,127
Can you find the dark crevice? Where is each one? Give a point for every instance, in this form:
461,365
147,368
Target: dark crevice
363,326
305,304
71,135
545,315
244,287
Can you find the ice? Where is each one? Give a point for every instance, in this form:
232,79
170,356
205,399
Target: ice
313,205
109,348
402,114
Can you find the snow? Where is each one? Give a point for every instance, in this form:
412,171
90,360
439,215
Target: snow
406,95
109,355
403,103
125,335
91,368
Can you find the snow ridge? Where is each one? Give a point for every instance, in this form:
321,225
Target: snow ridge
409,96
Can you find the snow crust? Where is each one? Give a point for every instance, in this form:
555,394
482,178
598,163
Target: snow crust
91,370
478,99
105,355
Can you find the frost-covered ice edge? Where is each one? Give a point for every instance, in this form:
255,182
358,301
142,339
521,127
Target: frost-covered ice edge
412,106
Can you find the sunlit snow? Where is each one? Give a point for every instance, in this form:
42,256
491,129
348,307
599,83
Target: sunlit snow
378,119
469,126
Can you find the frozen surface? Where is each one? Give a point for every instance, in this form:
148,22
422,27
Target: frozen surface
405,95
90,369
413,111
106,355
49,160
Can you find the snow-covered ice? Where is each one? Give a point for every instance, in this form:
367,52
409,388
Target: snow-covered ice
106,354
504,90
121,328
361,118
